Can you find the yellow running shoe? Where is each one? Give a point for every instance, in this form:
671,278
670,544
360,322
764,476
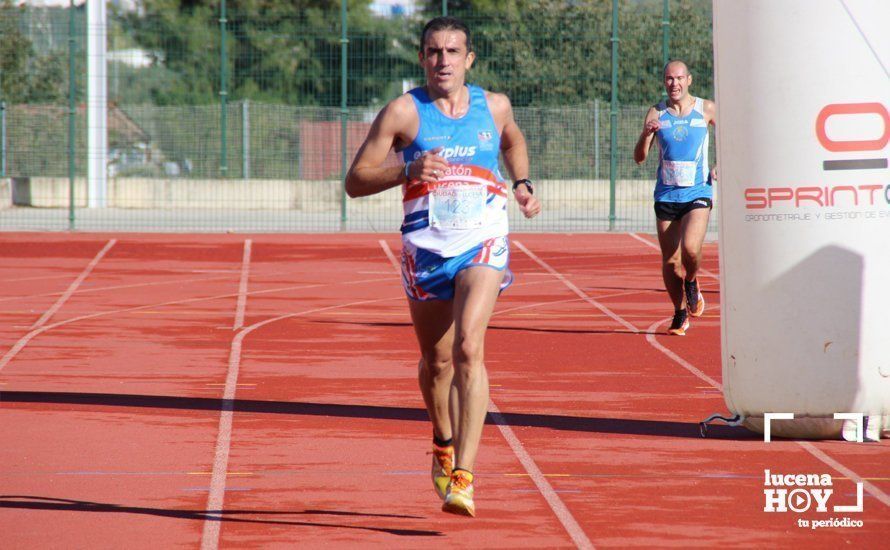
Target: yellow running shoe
459,499
443,463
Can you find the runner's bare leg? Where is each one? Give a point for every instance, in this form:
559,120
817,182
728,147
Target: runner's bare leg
695,226
434,328
670,237
476,291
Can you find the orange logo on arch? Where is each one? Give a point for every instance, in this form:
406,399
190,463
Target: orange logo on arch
853,109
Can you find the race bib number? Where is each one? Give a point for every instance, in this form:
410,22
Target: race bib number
458,207
679,173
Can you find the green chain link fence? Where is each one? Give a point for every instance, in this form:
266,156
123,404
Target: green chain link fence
278,165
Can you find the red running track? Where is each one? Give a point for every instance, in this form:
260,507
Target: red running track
230,391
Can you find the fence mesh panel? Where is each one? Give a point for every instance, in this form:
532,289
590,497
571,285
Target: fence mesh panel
277,166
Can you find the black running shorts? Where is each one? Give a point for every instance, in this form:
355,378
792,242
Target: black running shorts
672,211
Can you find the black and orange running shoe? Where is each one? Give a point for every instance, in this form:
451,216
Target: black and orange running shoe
679,324
695,302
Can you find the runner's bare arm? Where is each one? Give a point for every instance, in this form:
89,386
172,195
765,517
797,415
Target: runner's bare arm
367,175
396,125
647,137
711,112
513,144
711,116
515,151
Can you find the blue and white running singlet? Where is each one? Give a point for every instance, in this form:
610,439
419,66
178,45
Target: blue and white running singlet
683,171
468,205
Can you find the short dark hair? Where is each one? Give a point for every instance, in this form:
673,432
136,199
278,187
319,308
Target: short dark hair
445,24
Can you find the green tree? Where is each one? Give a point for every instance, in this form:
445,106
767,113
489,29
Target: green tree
277,51
15,50
641,61
49,78
181,37
558,52
25,75
692,42
547,52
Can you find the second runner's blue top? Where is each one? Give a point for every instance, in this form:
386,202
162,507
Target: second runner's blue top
683,171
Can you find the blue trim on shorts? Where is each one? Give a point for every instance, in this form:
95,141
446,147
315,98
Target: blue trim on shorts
436,274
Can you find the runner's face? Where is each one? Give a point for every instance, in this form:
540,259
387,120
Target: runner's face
445,60
677,81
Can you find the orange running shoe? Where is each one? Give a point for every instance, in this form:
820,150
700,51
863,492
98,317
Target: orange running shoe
459,499
443,463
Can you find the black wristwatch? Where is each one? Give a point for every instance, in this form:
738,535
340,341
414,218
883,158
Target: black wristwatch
525,181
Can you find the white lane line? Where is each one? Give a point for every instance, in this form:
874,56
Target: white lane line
853,476
534,305
556,504
45,328
242,286
40,325
281,273
809,447
550,496
871,488
117,287
35,278
392,257
213,521
650,244
216,498
73,286
647,242
650,337
617,318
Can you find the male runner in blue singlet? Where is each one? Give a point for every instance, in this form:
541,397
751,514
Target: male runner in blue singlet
683,195
454,234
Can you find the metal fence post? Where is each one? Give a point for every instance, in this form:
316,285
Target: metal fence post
344,41
596,138
72,112
245,139
2,139
2,130
223,93
665,38
613,117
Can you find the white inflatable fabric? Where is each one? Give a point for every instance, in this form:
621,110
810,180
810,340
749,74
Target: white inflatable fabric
803,92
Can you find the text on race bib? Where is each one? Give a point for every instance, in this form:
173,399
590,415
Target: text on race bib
459,206
679,173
